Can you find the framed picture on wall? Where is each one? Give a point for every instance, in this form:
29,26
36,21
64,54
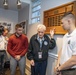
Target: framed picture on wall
8,25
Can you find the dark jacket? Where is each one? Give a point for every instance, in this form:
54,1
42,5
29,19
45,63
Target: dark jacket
34,48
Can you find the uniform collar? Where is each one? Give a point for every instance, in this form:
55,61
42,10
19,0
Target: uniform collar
36,36
17,35
40,38
73,33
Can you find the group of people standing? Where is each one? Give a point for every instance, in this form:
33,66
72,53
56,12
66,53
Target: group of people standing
38,47
37,50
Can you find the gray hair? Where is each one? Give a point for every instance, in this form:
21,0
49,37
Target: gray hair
41,26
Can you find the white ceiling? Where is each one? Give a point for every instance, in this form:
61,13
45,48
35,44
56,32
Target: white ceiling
12,4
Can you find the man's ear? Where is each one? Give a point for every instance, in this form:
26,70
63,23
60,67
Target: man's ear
69,21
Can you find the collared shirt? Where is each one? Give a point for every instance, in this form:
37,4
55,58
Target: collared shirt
69,47
2,43
40,40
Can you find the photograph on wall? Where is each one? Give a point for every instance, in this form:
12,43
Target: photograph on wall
8,25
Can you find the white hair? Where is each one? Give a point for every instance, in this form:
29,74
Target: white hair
41,26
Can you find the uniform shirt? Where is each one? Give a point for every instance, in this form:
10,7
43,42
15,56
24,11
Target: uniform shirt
69,47
2,43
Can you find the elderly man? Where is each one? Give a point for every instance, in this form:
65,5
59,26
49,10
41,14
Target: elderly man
39,45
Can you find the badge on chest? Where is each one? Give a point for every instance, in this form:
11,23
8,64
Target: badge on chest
40,55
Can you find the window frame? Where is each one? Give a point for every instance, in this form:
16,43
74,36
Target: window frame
39,10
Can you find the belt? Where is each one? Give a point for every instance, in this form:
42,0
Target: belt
2,51
71,69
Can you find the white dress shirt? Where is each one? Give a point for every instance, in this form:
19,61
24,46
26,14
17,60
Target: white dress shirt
2,43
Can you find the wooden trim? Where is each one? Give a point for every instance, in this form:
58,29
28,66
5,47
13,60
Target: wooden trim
52,17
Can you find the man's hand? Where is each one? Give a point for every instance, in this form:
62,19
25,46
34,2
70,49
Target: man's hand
52,33
57,70
17,57
32,62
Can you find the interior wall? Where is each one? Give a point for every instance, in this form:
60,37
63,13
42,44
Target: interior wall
23,15
32,29
9,16
48,4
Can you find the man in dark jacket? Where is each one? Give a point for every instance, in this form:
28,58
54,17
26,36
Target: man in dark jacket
39,45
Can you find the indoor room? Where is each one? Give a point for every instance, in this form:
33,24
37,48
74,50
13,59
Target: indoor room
28,15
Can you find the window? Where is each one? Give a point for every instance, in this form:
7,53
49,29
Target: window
36,6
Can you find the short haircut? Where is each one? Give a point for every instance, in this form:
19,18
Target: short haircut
1,30
69,15
18,26
6,29
41,26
